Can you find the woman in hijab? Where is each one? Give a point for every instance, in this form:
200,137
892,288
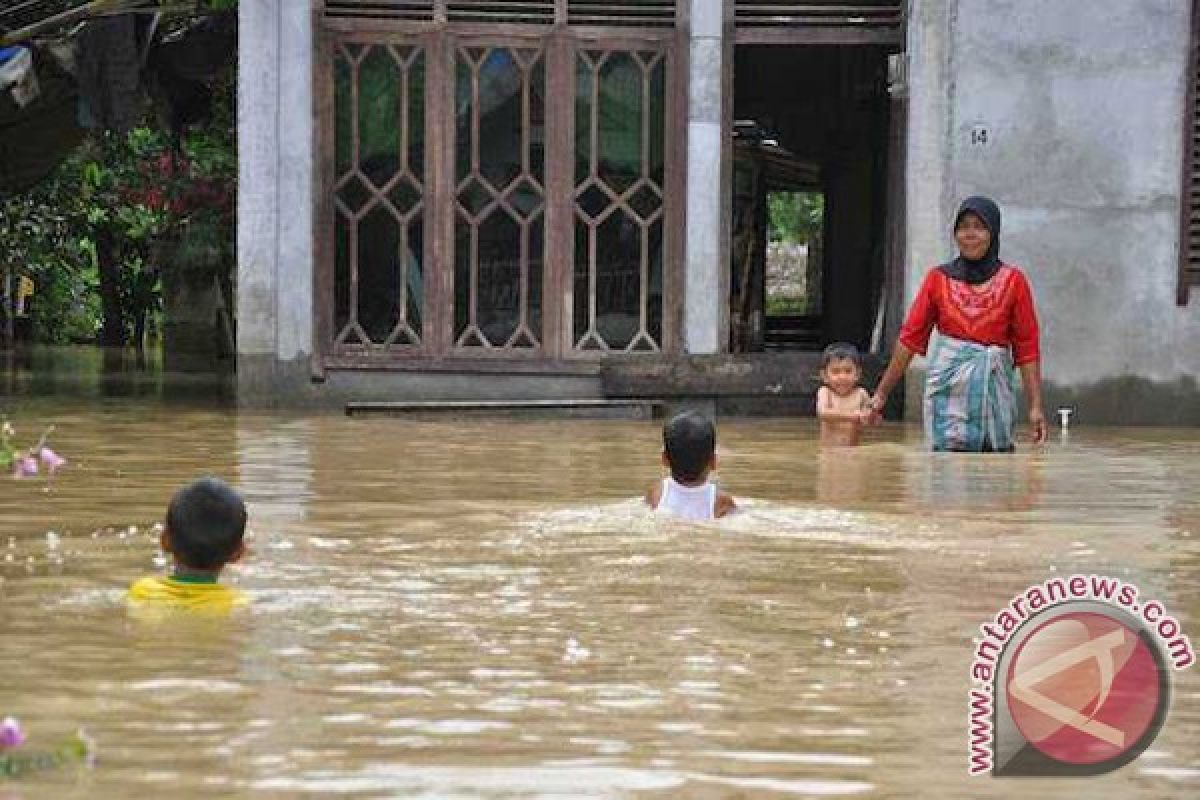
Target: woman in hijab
983,310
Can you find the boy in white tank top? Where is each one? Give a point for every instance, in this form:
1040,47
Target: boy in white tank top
690,452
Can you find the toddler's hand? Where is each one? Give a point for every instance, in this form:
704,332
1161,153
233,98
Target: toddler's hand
875,409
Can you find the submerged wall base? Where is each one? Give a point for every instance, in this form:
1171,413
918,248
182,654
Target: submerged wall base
1127,400
766,384
264,382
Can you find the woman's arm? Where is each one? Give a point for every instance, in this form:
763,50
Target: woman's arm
1026,351
901,357
1031,379
914,338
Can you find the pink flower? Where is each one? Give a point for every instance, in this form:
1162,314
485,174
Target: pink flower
25,467
11,734
51,460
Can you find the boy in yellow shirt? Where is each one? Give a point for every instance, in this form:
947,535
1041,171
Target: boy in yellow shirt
206,521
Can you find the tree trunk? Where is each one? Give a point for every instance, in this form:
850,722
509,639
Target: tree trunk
139,335
112,333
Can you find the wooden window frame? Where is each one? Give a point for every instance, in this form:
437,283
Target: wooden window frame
438,36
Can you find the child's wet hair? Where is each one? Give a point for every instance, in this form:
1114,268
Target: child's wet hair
841,351
689,440
206,521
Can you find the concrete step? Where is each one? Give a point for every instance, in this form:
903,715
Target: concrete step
792,333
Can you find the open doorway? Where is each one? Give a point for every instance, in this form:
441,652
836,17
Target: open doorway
810,200
794,268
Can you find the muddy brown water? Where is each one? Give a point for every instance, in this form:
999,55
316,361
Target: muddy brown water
483,608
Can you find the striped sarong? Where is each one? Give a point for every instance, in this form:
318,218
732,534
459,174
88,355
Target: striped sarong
970,402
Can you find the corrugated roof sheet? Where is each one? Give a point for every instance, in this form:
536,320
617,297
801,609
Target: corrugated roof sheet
17,14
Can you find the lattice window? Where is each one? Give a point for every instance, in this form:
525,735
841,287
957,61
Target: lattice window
1189,202
379,196
619,186
640,13
500,197
441,248
783,13
416,10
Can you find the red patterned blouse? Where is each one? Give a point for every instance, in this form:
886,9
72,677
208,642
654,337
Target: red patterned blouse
997,312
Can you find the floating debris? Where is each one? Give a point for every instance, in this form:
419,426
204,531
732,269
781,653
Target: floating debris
26,463
79,747
11,734
24,467
575,652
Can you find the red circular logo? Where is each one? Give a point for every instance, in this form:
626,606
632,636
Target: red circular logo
1084,688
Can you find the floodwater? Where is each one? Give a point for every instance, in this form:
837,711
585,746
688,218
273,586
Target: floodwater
483,609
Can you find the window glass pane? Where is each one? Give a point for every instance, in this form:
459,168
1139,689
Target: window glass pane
620,121
379,116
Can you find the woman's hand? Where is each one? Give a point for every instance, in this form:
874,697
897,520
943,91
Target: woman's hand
1031,377
901,355
1037,422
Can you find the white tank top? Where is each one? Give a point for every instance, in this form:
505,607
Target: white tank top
688,502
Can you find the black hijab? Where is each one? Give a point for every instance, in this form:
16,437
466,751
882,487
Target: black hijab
964,269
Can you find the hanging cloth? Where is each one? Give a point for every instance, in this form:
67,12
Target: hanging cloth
108,66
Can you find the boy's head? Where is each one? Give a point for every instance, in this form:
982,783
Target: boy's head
205,524
689,446
841,366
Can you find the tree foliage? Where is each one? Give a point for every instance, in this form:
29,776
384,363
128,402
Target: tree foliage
795,217
96,235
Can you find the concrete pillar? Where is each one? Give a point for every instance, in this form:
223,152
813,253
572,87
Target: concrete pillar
297,164
258,138
275,191
930,199
706,271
